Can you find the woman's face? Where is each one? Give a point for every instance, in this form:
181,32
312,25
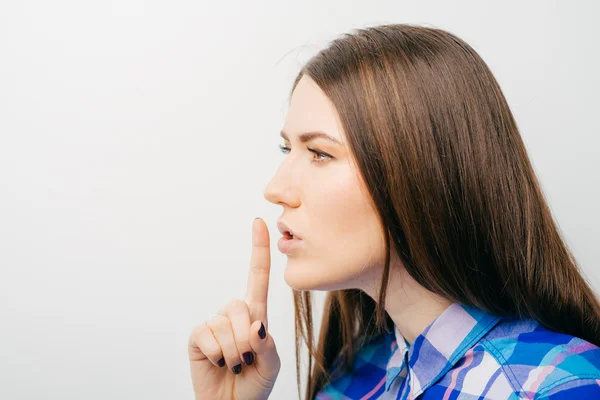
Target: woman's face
324,201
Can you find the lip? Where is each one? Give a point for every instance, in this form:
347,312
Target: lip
287,246
283,227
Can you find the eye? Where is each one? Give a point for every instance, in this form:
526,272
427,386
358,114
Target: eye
320,154
284,150
325,156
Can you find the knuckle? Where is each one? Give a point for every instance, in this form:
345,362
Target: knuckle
197,332
237,306
198,328
260,269
218,322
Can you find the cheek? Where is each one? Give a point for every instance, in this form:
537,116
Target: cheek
345,240
336,206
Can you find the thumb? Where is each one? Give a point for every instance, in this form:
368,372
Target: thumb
267,359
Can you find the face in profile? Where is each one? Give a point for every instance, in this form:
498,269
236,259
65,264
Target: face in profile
324,200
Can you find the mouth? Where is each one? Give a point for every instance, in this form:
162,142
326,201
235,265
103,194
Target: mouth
288,243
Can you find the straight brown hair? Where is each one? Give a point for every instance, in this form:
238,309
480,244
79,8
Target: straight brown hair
451,181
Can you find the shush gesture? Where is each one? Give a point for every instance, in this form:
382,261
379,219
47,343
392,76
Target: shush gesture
232,355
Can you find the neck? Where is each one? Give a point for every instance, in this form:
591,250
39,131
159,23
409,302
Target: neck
409,305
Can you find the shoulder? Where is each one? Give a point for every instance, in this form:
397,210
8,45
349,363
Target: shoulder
541,363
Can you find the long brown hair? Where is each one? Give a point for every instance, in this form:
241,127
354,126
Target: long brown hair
451,181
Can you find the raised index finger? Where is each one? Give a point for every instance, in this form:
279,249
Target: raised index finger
260,268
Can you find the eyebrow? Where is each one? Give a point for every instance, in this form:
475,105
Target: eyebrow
308,136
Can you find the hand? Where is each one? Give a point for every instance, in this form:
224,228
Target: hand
232,355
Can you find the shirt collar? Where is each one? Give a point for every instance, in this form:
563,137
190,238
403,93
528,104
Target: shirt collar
438,347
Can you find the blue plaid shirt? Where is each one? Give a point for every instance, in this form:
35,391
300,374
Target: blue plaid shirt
469,354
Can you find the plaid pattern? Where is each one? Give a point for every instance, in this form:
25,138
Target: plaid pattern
467,354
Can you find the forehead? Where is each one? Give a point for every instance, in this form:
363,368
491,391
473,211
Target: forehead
311,110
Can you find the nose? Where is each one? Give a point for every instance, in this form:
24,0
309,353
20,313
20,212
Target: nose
282,188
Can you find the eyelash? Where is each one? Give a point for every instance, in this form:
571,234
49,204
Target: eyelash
286,150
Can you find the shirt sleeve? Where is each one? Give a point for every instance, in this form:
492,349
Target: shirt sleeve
583,388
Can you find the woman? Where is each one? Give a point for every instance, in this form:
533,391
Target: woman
411,199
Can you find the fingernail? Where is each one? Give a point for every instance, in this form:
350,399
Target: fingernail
237,369
261,332
248,358
257,218
221,362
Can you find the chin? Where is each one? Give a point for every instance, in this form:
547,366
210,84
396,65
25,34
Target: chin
310,277
299,280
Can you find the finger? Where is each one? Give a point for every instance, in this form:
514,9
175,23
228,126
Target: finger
260,268
221,329
239,316
267,360
203,345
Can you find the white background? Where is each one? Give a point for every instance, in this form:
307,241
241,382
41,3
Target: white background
136,138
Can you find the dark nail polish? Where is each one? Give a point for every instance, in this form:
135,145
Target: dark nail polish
221,362
261,332
248,358
237,369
